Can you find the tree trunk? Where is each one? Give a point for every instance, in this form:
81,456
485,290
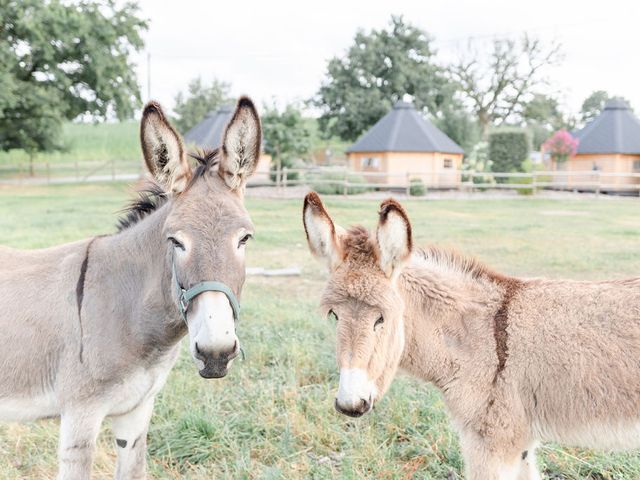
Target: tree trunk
31,166
483,121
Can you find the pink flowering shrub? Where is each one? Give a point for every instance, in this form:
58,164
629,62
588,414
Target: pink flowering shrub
561,145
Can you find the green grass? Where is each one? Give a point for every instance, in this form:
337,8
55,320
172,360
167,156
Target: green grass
87,142
272,417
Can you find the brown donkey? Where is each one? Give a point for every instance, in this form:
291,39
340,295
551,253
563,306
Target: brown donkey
90,329
517,361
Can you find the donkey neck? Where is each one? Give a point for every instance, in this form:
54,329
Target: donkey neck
445,311
136,276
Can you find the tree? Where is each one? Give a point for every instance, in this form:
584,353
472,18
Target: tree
286,136
594,104
542,116
378,69
63,59
498,88
199,100
459,126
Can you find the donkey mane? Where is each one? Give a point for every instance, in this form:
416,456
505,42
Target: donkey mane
359,246
451,259
152,196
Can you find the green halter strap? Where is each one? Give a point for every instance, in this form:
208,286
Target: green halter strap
185,296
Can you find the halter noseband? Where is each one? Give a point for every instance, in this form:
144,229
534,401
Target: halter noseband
185,296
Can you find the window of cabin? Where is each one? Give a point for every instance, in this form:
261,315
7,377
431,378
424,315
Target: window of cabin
370,162
636,165
448,163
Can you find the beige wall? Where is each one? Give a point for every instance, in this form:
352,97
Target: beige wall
612,163
428,166
262,169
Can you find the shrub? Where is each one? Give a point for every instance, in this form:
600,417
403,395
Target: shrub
561,145
321,183
508,149
529,167
416,187
478,161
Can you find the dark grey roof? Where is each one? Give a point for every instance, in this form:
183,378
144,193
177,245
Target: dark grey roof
403,129
208,133
615,130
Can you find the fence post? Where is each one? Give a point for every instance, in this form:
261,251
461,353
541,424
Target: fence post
345,190
76,170
48,173
285,176
534,182
113,169
598,183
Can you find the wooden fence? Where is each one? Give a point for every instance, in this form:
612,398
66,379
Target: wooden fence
341,179
464,180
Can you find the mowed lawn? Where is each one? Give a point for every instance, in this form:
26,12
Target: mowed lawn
272,417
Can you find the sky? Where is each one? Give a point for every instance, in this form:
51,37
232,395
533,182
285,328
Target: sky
278,50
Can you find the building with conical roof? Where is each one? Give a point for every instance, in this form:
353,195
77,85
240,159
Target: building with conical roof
208,134
404,145
610,143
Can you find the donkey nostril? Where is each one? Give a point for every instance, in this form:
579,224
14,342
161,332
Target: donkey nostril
199,354
364,405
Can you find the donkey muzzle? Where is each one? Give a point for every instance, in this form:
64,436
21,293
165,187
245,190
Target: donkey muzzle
216,365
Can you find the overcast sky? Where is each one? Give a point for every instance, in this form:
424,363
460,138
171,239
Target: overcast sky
279,49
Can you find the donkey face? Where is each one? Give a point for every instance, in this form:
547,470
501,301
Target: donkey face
207,227
361,297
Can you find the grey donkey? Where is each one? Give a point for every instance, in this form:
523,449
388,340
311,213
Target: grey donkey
91,329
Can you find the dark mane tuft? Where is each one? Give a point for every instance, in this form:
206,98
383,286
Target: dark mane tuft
149,199
359,246
152,196
206,158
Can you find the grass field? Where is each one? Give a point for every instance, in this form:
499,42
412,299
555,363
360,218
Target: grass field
272,417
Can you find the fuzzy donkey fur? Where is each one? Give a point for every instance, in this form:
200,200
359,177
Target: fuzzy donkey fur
518,361
90,329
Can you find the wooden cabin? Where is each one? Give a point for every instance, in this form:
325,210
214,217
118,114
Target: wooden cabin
610,143
404,145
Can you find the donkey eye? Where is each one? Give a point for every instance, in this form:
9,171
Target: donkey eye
332,316
379,322
176,243
244,240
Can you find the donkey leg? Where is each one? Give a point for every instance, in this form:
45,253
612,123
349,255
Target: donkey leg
482,463
78,432
528,467
130,431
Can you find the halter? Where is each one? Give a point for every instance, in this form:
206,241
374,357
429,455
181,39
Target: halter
187,295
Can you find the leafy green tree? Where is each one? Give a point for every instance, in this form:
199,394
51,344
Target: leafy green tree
542,116
286,135
62,59
460,127
594,104
378,69
199,100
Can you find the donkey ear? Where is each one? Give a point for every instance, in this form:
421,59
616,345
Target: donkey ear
394,237
163,150
322,235
241,145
